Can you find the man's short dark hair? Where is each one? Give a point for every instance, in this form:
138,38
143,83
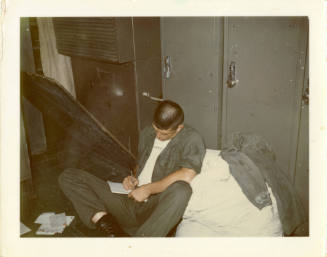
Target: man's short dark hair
168,115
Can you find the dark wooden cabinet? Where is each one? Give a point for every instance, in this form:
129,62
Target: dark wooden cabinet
106,39
108,92
114,61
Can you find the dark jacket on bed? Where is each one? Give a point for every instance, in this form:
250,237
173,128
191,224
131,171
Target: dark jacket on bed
252,163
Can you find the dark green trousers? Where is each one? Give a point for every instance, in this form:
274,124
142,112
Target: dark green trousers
156,217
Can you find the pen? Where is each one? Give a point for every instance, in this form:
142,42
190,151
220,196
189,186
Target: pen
132,175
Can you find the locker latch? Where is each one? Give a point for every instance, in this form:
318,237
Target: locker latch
167,67
305,97
231,80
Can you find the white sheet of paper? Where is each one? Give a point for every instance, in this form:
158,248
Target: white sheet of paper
117,188
57,220
44,218
45,233
69,220
46,229
24,229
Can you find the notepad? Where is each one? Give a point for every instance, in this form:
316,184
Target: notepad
117,188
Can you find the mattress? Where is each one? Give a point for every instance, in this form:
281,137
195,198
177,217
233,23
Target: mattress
219,208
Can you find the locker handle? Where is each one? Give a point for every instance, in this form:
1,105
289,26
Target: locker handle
231,80
167,67
305,97
147,94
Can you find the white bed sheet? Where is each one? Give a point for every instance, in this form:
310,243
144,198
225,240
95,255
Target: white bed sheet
218,207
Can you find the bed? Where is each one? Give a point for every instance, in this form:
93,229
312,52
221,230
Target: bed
218,207
242,191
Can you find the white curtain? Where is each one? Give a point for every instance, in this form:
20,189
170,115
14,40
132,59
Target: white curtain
55,65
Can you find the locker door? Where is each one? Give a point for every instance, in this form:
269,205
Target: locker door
301,180
268,57
192,63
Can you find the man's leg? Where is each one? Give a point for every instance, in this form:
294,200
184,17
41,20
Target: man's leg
169,210
91,195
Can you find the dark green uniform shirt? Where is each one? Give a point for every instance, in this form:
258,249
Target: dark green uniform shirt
185,150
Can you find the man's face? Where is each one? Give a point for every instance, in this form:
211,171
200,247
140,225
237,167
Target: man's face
164,135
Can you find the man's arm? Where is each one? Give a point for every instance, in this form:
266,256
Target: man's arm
183,174
143,192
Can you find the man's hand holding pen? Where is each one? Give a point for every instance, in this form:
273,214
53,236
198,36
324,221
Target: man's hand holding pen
139,194
130,182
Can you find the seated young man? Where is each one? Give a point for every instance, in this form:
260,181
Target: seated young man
170,154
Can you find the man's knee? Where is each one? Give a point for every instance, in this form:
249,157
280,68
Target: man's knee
66,177
181,191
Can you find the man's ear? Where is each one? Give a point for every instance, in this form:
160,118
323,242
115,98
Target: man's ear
179,128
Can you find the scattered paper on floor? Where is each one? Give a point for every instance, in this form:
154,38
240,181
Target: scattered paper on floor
52,223
44,218
57,220
24,229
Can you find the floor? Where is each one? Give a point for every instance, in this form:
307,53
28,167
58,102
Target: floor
44,195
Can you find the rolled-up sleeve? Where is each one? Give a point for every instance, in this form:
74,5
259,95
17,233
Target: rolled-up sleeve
193,153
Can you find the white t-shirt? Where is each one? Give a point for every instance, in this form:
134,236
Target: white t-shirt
146,174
